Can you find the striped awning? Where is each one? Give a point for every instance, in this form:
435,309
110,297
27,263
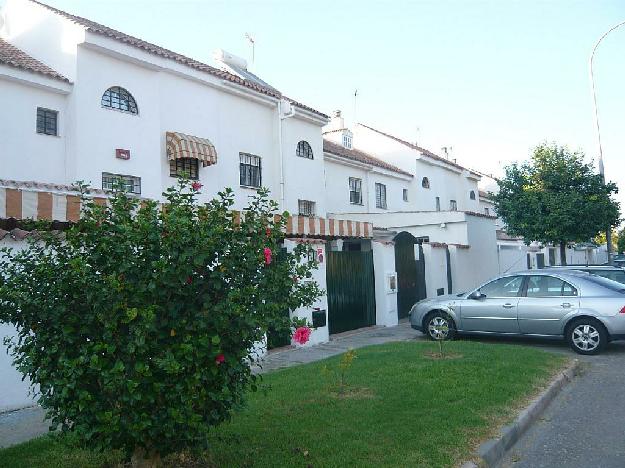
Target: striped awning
181,146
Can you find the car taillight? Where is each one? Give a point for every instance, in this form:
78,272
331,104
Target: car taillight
622,311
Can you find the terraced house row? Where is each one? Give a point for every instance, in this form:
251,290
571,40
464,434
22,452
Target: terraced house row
391,222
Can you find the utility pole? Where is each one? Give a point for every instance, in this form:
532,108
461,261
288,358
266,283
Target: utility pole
608,232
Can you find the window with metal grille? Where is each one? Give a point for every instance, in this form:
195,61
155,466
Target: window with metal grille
425,182
453,205
47,121
126,183
405,194
438,203
304,150
184,167
472,195
487,211
250,170
380,195
119,98
355,191
306,207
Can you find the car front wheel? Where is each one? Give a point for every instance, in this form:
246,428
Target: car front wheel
587,336
439,326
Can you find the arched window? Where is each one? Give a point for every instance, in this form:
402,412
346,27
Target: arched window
304,150
118,98
472,195
425,182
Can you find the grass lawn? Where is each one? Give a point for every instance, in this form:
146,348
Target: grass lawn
401,408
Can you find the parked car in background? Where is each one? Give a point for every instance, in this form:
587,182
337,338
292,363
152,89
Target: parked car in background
613,273
586,310
619,260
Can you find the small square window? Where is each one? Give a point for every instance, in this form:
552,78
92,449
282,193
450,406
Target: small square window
250,170
126,183
184,167
47,121
306,207
405,194
355,191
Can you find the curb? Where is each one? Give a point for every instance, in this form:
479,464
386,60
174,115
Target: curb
492,451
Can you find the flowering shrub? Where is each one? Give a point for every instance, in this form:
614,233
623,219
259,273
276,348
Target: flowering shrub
301,335
138,326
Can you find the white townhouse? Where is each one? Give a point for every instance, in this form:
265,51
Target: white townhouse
85,102
428,205
82,101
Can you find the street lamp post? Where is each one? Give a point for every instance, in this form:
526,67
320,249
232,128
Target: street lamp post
608,233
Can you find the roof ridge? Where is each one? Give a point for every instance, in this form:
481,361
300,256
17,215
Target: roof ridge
418,148
367,158
14,56
169,54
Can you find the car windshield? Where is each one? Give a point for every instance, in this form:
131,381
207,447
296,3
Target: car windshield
606,283
614,275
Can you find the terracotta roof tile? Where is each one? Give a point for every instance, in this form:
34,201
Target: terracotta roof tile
97,28
420,149
360,156
14,57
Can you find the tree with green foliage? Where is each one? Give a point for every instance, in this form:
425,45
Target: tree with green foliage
138,325
620,241
556,198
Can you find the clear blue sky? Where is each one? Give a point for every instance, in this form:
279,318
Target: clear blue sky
490,78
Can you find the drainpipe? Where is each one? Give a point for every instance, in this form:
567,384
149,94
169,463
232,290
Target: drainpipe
282,117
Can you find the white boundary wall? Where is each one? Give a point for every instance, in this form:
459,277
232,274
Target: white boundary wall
14,392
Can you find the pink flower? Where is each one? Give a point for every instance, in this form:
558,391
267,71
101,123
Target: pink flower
302,335
220,359
196,186
267,254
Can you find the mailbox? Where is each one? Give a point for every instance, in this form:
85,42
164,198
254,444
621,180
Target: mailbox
319,318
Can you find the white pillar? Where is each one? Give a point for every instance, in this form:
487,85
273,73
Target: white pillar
385,276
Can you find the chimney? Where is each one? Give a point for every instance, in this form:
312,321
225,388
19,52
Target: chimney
336,122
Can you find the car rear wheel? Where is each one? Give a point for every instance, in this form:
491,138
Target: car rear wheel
587,336
439,326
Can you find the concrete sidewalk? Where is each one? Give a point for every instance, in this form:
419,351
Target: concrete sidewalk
22,425
289,356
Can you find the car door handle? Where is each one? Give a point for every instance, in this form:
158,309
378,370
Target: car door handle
508,306
566,305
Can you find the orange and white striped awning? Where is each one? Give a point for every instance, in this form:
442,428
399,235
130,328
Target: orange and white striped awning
181,146
42,201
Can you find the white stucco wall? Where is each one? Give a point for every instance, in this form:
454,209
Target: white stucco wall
446,181
14,392
25,154
435,269
321,334
385,299
337,176
42,34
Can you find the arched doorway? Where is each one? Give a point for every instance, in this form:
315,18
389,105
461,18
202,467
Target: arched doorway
410,272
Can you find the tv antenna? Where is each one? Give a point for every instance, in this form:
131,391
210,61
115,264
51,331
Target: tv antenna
251,40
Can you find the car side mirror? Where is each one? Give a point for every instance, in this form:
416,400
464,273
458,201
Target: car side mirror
476,295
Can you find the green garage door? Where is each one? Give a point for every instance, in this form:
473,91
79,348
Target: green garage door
351,290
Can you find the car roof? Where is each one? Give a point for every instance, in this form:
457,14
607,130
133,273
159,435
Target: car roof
585,267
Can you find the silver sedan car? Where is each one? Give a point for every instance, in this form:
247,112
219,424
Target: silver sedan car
586,310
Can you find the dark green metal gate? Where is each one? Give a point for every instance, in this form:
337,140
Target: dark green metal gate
351,290
410,273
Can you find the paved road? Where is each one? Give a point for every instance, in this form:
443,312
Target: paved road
585,425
